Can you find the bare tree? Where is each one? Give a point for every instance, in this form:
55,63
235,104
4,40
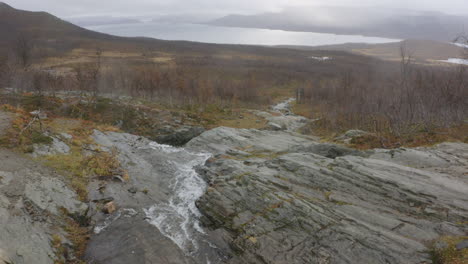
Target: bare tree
23,49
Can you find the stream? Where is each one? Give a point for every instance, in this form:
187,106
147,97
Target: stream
178,218
169,175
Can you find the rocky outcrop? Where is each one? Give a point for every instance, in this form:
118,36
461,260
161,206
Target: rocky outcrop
33,203
281,117
156,217
5,121
278,197
56,147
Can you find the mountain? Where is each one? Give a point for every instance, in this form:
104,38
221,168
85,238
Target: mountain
388,23
59,36
14,21
43,28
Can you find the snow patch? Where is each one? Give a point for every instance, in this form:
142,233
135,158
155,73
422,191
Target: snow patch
462,45
456,61
320,58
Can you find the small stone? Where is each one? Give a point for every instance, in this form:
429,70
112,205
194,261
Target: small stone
274,126
133,190
66,136
462,245
109,208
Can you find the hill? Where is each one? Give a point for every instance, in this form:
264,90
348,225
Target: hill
376,22
56,34
423,51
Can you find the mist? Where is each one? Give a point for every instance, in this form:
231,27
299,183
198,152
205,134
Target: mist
71,8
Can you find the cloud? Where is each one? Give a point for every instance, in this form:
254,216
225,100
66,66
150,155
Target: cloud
67,8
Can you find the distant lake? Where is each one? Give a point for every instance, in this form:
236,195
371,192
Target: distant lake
231,35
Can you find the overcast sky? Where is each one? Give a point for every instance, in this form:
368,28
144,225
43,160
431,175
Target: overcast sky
71,8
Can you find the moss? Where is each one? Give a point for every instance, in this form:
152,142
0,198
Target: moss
71,165
40,138
81,168
79,237
450,254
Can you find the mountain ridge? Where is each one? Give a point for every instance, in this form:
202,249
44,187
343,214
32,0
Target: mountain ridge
398,24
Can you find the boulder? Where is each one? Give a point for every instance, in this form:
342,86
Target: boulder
274,126
109,208
350,134
56,147
179,137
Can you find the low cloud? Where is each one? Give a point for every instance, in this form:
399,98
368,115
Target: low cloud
69,8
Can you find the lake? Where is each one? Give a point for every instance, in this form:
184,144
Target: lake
231,35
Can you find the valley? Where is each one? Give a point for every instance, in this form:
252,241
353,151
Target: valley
117,150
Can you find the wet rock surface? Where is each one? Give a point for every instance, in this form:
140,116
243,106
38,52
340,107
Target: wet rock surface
243,196
157,219
279,197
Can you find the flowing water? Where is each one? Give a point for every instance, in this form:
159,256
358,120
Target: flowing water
178,218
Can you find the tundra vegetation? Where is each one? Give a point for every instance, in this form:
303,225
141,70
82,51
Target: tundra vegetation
401,103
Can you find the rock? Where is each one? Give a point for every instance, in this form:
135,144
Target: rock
274,126
142,244
157,234
104,200
462,245
109,208
132,190
222,139
284,121
350,134
277,197
38,113
302,201
56,147
443,157
5,121
330,150
51,194
180,136
66,136
31,196
355,133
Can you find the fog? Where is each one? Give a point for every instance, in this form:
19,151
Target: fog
73,8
